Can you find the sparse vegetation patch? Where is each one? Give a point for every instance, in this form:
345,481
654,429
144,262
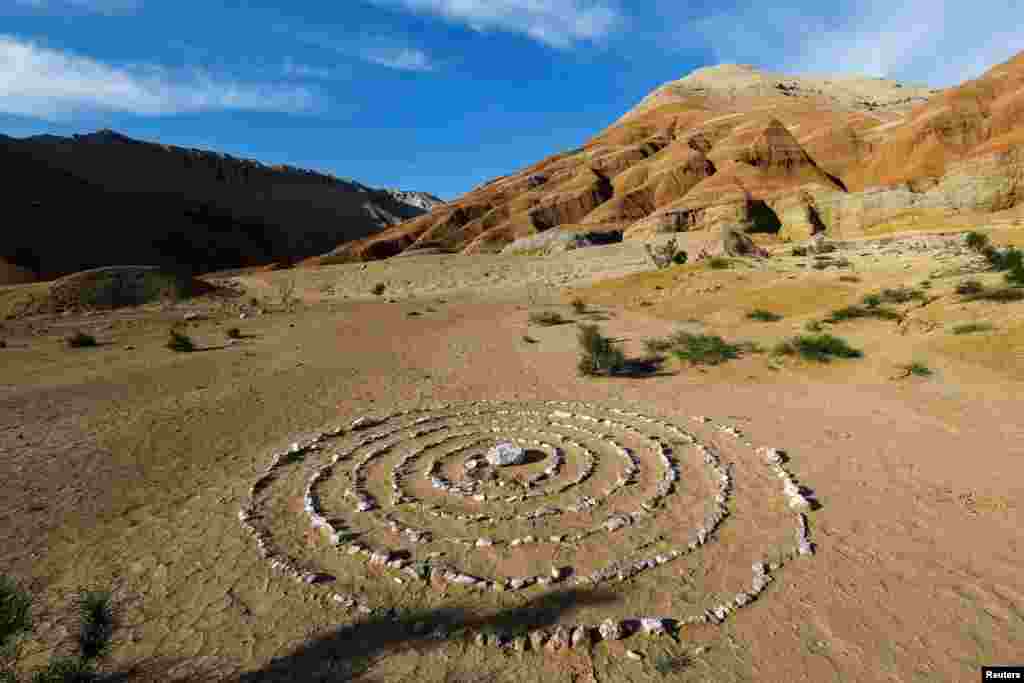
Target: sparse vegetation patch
81,340
854,312
547,318
180,342
971,328
822,348
764,316
598,354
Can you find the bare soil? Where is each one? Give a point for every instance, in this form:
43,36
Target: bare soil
125,465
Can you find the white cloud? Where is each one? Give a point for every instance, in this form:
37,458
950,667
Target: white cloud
403,59
379,50
95,6
41,82
937,42
558,23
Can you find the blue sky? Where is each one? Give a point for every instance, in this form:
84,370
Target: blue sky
437,95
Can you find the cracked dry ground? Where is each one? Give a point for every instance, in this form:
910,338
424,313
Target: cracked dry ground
127,469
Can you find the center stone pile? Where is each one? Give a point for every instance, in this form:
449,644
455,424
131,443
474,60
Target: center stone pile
506,454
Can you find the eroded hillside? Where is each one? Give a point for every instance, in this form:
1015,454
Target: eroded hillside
792,156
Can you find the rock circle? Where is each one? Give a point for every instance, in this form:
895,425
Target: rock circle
624,500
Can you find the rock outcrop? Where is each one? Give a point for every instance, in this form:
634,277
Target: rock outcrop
733,145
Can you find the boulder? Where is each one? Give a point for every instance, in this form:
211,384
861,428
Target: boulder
506,454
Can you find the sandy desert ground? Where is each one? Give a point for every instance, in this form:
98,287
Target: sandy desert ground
126,465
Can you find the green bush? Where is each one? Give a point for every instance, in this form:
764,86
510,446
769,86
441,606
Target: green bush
1000,295
96,622
821,348
1008,259
855,312
901,295
703,349
969,287
598,354
115,290
970,328
547,318
918,369
872,300
180,342
719,263
813,326
80,340
656,346
764,316
976,241
15,615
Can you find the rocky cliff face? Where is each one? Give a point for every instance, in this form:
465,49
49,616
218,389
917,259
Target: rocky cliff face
789,155
105,199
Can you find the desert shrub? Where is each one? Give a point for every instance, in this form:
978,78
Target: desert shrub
799,251
854,312
178,341
719,263
665,255
547,318
667,665
15,616
234,333
96,621
80,340
528,339
116,290
1015,275
849,278
764,316
579,306
286,292
703,349
821,348
918,369
655,346
1000,295
970,328
3,343
379,288
598,353
1007,259
969,287
901,295
813,326
976,241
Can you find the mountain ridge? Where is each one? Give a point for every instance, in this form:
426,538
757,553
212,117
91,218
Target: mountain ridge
736,145
191,209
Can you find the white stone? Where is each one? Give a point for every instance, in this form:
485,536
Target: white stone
652,625
610,630
506,454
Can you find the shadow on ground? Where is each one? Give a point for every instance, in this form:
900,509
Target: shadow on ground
350,652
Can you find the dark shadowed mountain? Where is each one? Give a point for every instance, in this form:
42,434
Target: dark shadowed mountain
106,199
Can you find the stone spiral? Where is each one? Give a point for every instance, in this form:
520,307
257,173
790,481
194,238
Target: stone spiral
623,494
